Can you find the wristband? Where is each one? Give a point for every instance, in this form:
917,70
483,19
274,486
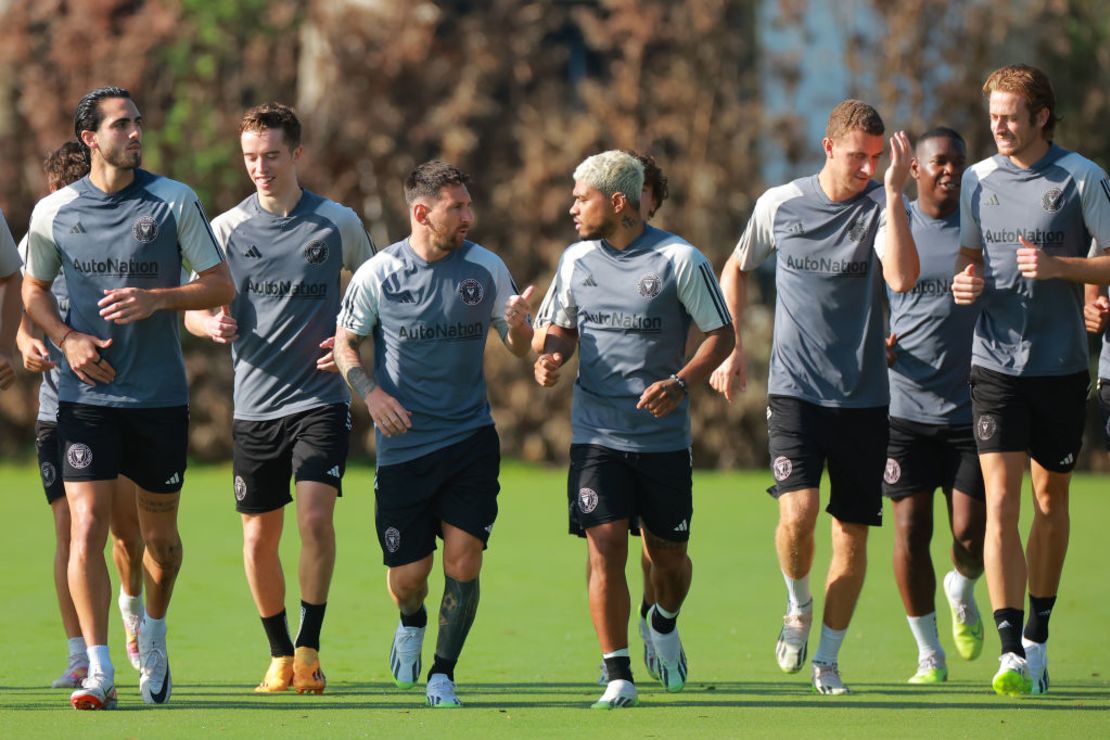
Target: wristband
65,337
681,384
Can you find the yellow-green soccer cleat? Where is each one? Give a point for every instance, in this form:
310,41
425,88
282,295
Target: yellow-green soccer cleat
307,676
930,670
279,676
967,624
1013,677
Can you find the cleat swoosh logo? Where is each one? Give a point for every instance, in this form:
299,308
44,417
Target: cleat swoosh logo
163,694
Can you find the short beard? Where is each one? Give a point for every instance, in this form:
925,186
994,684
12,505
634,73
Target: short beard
124,160
602,231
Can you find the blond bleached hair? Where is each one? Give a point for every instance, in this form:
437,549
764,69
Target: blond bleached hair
611,172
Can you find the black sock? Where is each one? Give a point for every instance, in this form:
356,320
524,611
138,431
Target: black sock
618,668
416,619
312,619
1008,622
644,609
446,666
663,625
277,632
1040,609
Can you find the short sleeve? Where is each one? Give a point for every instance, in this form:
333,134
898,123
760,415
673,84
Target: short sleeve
558,305
1095,197
357,245
359,312
758,240
504,286
699,291
971,235
9,255
199,248
883,231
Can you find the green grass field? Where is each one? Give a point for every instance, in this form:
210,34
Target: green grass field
532,656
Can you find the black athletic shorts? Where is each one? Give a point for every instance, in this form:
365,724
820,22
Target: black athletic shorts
50,460
925,457
607,485
1104,407
148,445
803,436
1043,416
455,485
309,445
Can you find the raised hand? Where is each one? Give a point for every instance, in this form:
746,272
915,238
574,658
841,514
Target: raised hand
1034,263
517,308
967,286
901,155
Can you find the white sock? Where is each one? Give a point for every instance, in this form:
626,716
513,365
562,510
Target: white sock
924,630
829,647
101,662
75,648
961,587
622,653
798,598
664,613
129,605
154,629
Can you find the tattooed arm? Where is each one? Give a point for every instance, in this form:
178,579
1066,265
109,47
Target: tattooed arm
390,417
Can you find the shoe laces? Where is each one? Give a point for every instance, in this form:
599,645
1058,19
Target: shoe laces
795,626
930,662
966,613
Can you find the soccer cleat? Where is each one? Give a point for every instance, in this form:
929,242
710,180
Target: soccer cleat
671,657
930,670
131,624
1012,678
967,624
76,672
651,659
441,692
792,645
404,656
826,680
155,681
1036,657
618,695
279,676
96,692
307,676
603,677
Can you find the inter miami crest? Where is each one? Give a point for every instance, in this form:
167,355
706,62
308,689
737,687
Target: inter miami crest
782,468
392,539
145,230
1052,200
587,500
48,474
240,488
893,471
986,427
470,291
315,252
79,456
649,285
856,229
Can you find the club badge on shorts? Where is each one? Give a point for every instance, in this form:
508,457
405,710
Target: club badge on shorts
392,539
986,427
782,468
79,456
893,471
587,500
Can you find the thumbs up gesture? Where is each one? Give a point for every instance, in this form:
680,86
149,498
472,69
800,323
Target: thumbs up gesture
967,285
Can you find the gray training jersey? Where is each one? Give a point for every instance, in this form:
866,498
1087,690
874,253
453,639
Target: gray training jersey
139,237
429,322
48,389
929,377
1032,327
286,271
632,309
828,344
9,255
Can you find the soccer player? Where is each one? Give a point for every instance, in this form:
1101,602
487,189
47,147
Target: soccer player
654,192
837,235
65,165
286,248
10,305
626,295
1028,215
426,304
121,234
931,444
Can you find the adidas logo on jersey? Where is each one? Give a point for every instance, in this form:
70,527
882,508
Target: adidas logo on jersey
334,472
253,253
683,526
589,282
78,229
992,200
174,479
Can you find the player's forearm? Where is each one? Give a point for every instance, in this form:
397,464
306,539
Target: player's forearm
11,310
734,286
349,363
210,289
713,350
42,309
194,322
560,340
901,264
1091,292
519,339
1092,270
967,256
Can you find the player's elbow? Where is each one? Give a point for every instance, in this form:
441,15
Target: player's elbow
901,281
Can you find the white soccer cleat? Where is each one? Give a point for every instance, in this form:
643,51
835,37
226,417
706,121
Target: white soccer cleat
826,680
441,692
96,692
671,657
404,656
155,681
1013,677
1036,657
76,672
793,642
651,659
618,695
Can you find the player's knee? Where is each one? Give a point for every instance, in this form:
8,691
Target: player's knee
464,565
317,528
165,549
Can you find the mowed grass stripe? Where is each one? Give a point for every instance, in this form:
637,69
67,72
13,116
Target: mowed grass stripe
532,655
